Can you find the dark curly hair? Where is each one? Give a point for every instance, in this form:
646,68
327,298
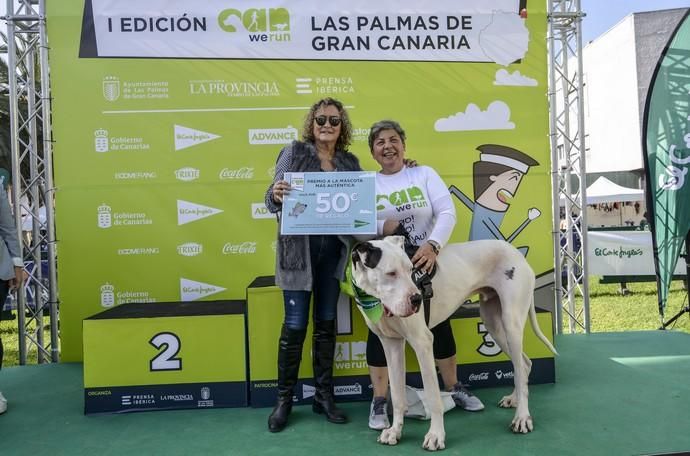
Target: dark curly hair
345,137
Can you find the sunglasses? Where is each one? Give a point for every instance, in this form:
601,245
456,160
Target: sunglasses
321,120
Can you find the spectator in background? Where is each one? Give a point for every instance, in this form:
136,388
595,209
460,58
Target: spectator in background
11,265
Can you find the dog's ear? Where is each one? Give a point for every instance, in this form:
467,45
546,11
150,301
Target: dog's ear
398,241
367,254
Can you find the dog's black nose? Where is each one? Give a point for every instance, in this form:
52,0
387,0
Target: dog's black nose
416,301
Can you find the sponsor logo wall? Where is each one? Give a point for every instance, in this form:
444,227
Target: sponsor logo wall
168,126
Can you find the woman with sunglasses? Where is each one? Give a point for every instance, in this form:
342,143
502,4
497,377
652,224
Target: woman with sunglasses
312,264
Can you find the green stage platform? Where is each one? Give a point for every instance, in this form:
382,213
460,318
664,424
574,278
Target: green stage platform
615,394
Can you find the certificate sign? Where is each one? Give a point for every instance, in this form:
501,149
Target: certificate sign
330,203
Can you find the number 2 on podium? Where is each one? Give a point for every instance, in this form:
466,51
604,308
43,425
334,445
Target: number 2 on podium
165,360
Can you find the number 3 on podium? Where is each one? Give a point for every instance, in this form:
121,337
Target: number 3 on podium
169,344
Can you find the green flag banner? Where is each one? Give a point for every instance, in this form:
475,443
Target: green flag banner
667,155
169,115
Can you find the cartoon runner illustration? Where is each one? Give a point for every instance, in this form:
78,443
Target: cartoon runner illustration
497,176
254,26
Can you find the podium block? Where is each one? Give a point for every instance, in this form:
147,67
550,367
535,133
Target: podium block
157,356
265,314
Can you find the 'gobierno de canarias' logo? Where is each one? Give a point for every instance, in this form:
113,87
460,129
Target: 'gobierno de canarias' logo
261,24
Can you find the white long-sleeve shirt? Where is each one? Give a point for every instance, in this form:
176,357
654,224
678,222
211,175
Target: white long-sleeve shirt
419,199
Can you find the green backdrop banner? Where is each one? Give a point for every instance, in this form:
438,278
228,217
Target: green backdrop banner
168,125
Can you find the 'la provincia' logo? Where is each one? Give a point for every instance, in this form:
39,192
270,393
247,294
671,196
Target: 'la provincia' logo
261,25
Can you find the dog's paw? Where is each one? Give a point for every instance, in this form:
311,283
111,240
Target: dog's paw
389,437
522,425
508,401
434,441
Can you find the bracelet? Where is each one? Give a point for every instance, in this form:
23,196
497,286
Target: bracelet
435,246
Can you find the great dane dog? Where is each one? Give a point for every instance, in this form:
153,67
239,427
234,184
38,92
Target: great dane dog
494,269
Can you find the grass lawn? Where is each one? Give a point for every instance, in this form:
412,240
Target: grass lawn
609,312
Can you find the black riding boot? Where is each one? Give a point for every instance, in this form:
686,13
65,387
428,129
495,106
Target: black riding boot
322,354
289,357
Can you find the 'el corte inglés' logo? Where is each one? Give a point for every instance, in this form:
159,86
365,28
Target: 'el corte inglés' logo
191,290
307,391
187,174
188,212
190,249
262,25
187,137
272,135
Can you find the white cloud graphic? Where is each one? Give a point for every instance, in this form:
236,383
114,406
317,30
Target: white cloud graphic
505,78
496,117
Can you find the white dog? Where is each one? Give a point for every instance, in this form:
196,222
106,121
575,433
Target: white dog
493,268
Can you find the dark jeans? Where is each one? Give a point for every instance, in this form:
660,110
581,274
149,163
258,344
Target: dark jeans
4,290
325,254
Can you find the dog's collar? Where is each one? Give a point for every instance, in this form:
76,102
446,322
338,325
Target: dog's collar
370,305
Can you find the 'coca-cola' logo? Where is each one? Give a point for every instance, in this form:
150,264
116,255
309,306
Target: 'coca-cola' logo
244,248
240,173
480,377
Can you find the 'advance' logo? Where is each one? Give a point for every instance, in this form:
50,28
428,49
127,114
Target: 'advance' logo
261,24
260,211
272,135
191,290
189,212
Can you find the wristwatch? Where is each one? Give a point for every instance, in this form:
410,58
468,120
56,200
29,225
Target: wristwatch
434,245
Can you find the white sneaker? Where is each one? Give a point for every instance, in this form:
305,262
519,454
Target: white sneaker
378,418
3,404
465,399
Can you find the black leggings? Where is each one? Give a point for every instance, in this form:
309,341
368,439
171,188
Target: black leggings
444,345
